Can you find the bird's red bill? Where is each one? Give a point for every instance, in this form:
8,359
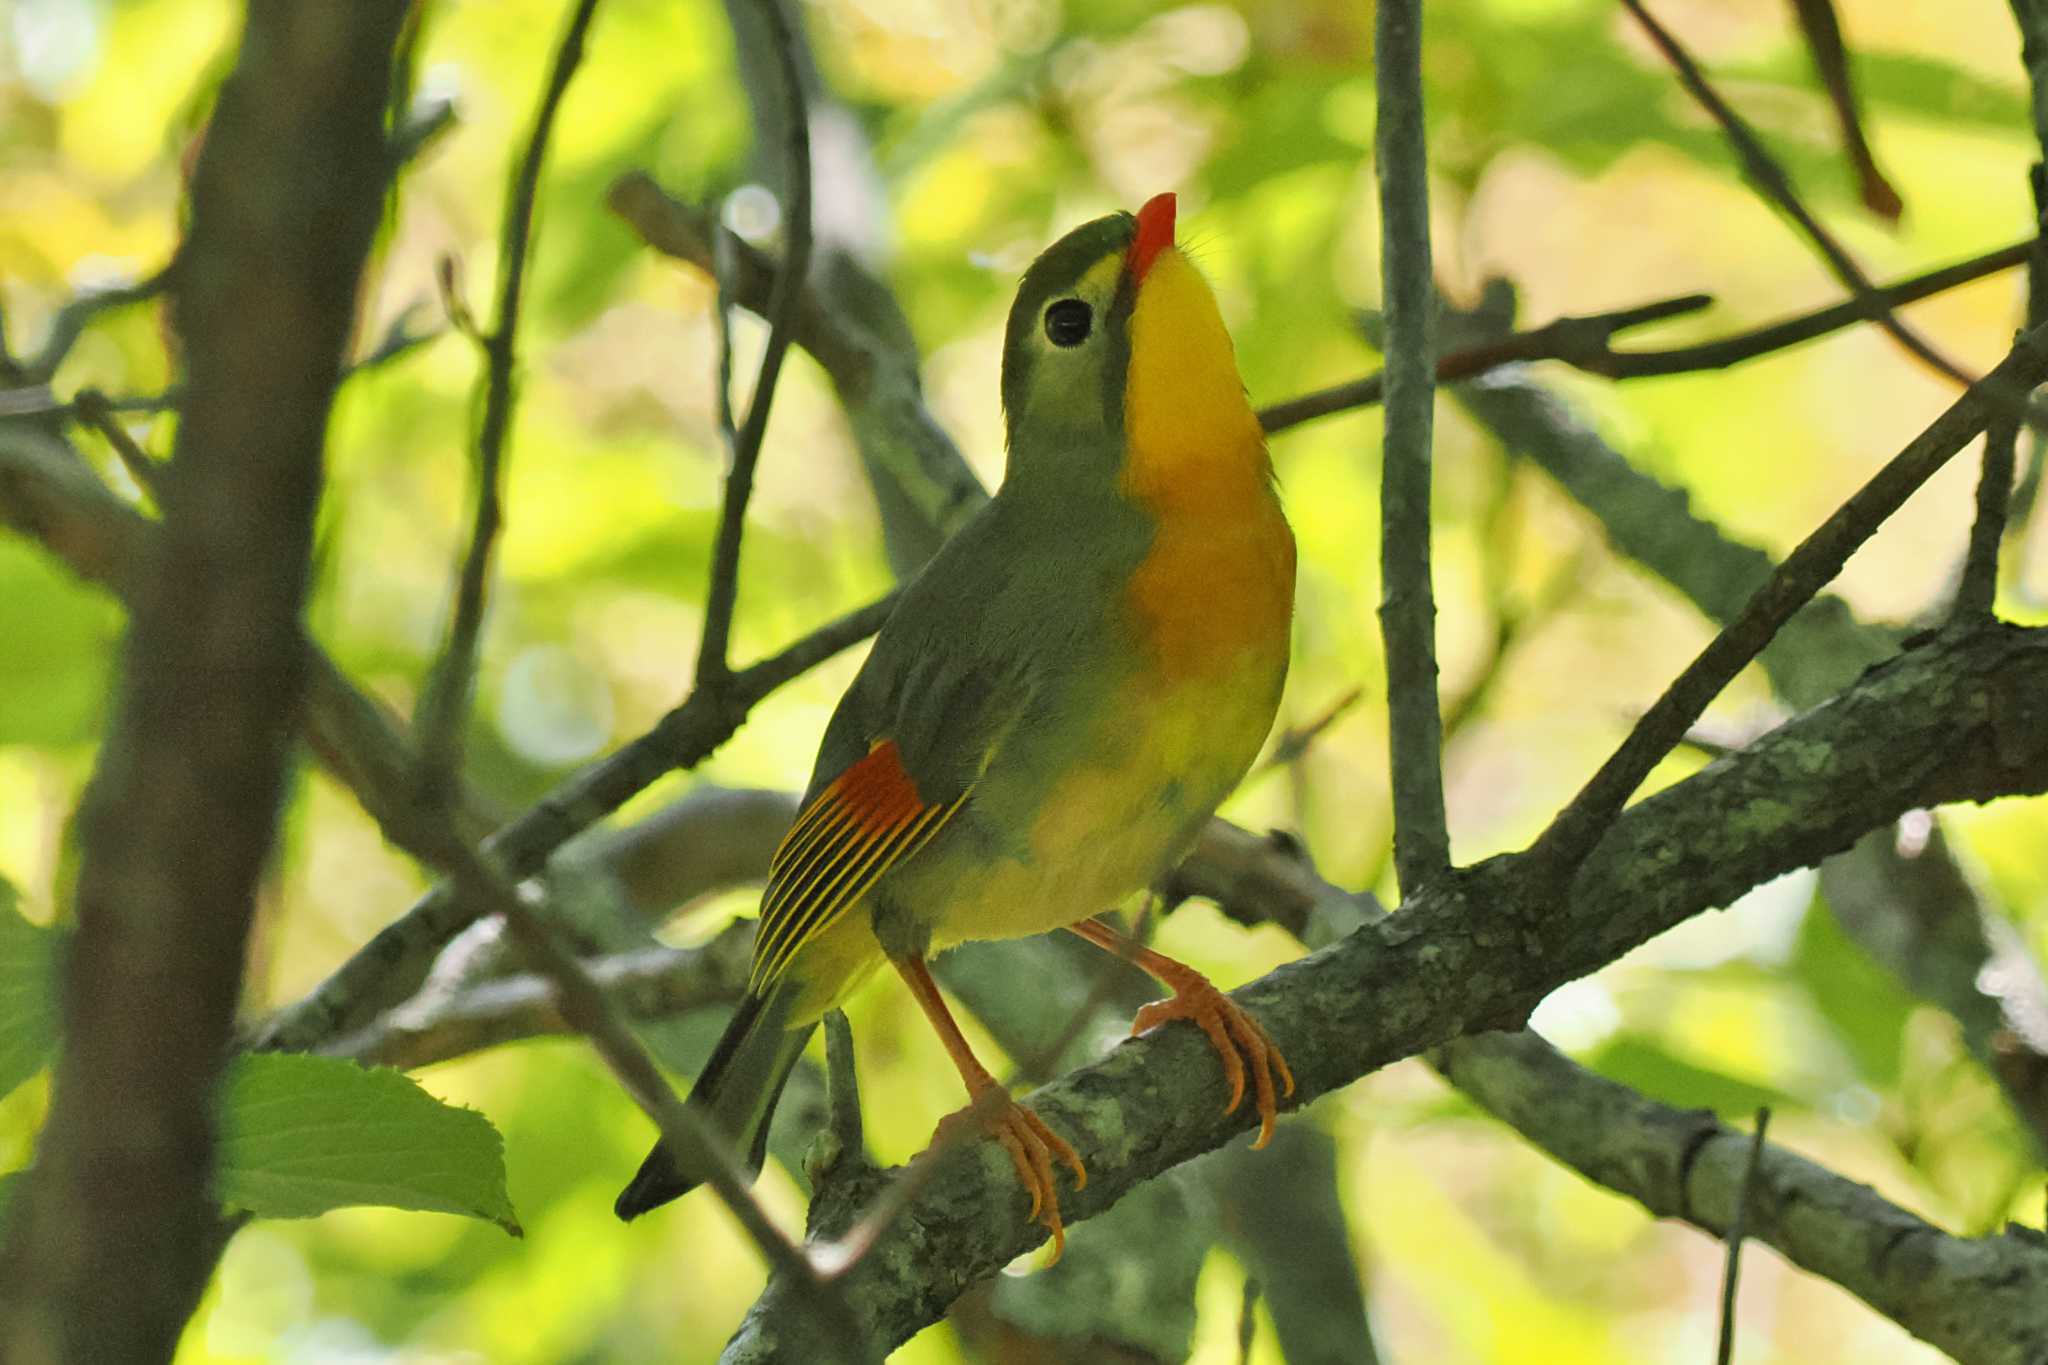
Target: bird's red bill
1155,233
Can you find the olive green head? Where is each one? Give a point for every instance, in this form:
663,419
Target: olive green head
1066,349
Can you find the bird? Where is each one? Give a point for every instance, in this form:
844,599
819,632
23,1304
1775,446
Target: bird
1058,703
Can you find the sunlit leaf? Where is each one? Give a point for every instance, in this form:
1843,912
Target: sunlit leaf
303,1135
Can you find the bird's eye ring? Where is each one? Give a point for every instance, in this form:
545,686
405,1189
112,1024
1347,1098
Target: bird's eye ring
1068,321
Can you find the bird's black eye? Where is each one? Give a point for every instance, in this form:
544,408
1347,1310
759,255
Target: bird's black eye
1067,322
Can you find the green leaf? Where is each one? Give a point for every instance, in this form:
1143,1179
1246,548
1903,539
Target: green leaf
302,1135
28,994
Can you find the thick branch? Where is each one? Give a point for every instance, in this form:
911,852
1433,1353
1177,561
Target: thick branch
1919,916
1984,1300
183,807
1958,719
1805,571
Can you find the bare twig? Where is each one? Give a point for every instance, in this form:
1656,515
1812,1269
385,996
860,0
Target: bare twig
745,450
373,977
1407,597
654,983
842,1084
444,702
1583,342
74,317
1823,32
584,1006
1920,916
1737,1227
1977,592
1771,180
1294,742
96,412
1803,573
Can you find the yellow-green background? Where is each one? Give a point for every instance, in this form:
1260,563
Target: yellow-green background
1564,158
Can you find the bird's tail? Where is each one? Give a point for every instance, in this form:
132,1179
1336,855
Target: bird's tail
736,1091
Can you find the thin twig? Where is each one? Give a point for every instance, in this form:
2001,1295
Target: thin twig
1295,741
1977,592
1736,1229
1770,179
444,703
681,739
96,412
684,1129
1583,342
1819,557
745,450
74,317
1823,33
1407,597
842,1085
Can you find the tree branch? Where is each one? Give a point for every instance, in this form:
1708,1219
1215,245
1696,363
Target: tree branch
1407,597
1957,719
1919,916
183,807
1771,181
1586,342
1984,1300
385,970
444,701
1805,571
745,449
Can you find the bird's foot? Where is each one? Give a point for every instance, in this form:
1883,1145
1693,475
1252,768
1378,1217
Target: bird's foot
1032,1145
1237,1037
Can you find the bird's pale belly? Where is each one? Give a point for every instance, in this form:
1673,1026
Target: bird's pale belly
1158,766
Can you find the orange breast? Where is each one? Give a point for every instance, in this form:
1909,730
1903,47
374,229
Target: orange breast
1216,591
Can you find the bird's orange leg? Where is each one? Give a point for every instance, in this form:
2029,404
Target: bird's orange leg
1237,1037
1031,1143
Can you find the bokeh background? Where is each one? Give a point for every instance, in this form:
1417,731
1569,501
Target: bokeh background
1565,160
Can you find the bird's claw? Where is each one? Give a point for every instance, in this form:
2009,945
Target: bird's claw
1236,1036
1033,1146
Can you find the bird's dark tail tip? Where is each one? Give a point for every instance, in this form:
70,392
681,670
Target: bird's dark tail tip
735,1095
654,1184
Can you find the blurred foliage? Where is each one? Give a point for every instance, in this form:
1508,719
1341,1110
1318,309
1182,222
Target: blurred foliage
1566,159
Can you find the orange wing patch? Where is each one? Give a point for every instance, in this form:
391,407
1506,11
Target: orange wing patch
869,819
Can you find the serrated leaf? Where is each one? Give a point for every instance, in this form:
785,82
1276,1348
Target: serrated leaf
28,994
302,1135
